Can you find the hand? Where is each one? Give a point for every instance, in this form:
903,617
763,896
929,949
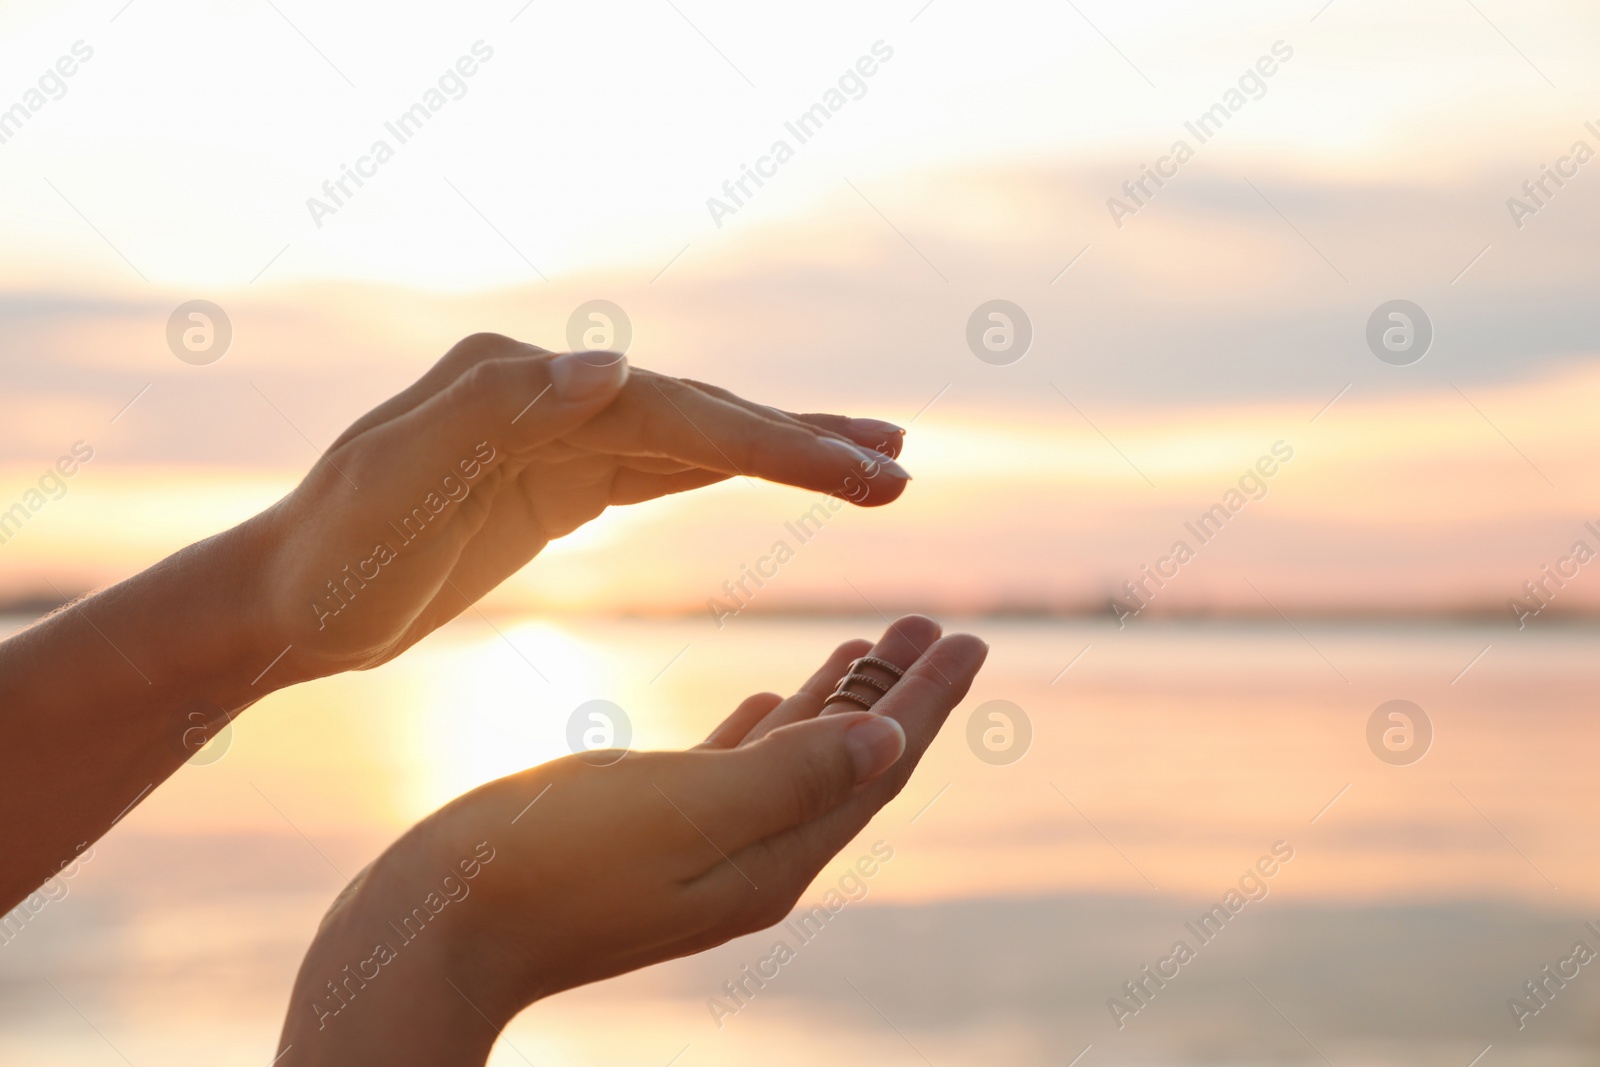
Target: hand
418,509
438,495
571,872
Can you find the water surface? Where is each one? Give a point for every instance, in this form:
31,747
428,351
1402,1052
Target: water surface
1166,761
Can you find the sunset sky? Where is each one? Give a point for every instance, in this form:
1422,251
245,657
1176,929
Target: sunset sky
1200,347
1170,352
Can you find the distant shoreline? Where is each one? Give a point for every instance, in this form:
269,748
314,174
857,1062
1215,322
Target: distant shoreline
33,606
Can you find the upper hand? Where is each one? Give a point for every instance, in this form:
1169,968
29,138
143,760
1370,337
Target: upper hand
442,492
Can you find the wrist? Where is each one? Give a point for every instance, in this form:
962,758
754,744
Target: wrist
192,626
389,980
216,638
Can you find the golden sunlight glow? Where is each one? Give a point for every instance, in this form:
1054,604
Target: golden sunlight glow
498,705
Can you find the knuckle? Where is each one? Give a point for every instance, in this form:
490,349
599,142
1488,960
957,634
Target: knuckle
479,361
477,347
488,378
498,385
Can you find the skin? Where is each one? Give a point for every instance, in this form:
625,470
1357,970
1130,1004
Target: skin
597,870
103,700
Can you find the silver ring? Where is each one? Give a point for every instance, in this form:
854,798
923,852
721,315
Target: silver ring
865,679
839,694
855,675
881,664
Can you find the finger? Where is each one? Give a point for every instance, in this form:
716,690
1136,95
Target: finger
749,712
920,703
463,355
738,796
876,434
807,700
935,685
902,644
634,487
880,436
655,415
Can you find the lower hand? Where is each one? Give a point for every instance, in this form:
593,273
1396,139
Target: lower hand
572,872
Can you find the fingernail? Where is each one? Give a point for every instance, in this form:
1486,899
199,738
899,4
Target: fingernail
878,426
877,461
580,376
872,463
875,745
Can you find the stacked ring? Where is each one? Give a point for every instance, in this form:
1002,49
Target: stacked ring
855,675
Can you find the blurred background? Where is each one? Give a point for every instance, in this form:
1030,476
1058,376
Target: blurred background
1424,534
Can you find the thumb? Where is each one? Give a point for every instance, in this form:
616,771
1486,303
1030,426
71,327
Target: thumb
587,381
399,476
498,408
519,402
793,775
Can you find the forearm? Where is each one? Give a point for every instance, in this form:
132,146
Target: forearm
103,700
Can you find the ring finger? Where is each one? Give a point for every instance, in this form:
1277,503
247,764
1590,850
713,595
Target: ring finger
905,640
